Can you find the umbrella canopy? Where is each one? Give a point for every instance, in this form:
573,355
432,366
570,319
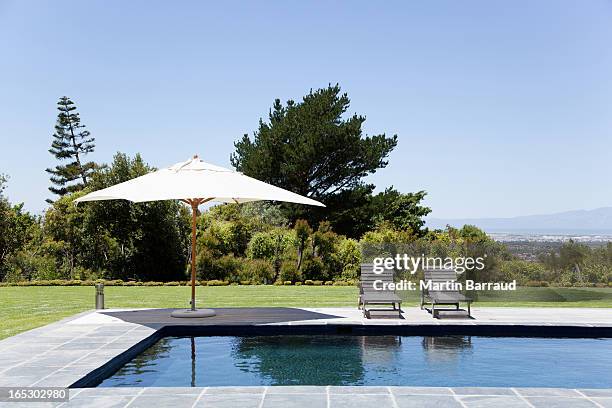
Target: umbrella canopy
196,179
196,182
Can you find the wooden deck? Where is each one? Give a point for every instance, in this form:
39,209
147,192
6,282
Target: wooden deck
158,318
285,320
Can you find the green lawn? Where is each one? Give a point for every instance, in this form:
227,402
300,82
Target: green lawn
536,297
24,308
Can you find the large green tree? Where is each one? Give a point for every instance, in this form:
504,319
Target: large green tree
3,179
118,239
314,149
15,228
403,211
149,240
71,142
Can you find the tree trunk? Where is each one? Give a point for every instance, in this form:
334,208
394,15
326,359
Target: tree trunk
299,255
76,153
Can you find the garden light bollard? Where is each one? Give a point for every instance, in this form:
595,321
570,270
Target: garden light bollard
99,296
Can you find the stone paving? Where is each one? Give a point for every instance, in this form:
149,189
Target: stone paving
331,397
64,352
507,316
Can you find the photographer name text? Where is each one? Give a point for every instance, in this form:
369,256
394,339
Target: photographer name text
444,286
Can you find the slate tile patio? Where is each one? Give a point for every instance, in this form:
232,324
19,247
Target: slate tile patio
62,353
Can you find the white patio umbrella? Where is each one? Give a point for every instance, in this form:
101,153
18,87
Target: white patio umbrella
196,182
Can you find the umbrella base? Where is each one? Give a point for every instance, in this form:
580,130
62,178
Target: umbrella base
193,313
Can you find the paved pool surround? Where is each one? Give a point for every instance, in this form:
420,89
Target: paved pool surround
82,350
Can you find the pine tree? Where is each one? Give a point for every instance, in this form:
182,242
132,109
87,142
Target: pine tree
70,142
314,148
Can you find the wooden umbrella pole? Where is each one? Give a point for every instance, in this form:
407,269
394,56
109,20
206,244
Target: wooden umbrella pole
194,202
194,217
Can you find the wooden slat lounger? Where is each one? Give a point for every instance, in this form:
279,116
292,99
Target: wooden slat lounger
370,296
448,296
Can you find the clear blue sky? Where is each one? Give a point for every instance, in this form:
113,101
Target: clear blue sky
501,108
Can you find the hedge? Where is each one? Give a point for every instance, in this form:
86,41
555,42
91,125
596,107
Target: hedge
308,282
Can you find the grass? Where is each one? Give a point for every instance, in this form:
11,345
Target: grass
536,297
24,308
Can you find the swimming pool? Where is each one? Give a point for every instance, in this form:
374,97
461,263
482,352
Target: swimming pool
450,361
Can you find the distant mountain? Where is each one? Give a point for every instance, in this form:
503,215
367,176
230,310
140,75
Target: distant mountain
570,222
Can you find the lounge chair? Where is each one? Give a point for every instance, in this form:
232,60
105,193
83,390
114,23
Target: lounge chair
370,296
448,296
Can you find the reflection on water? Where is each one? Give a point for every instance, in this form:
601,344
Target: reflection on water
446,348
379,349
370,360
147,364
193,362
293,360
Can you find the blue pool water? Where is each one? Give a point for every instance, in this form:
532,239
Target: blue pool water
370,360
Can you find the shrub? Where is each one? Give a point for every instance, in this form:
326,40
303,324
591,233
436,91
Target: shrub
245,282
217,237
521,271
261,246
289,272
204,264
203,283
257,271
172,284
341,283
270,245
298,283
287,283
536,284
317,283
216,282
13,275
308,282
348,254
226,267
26,265
313,269
329,283
39,283
278,283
